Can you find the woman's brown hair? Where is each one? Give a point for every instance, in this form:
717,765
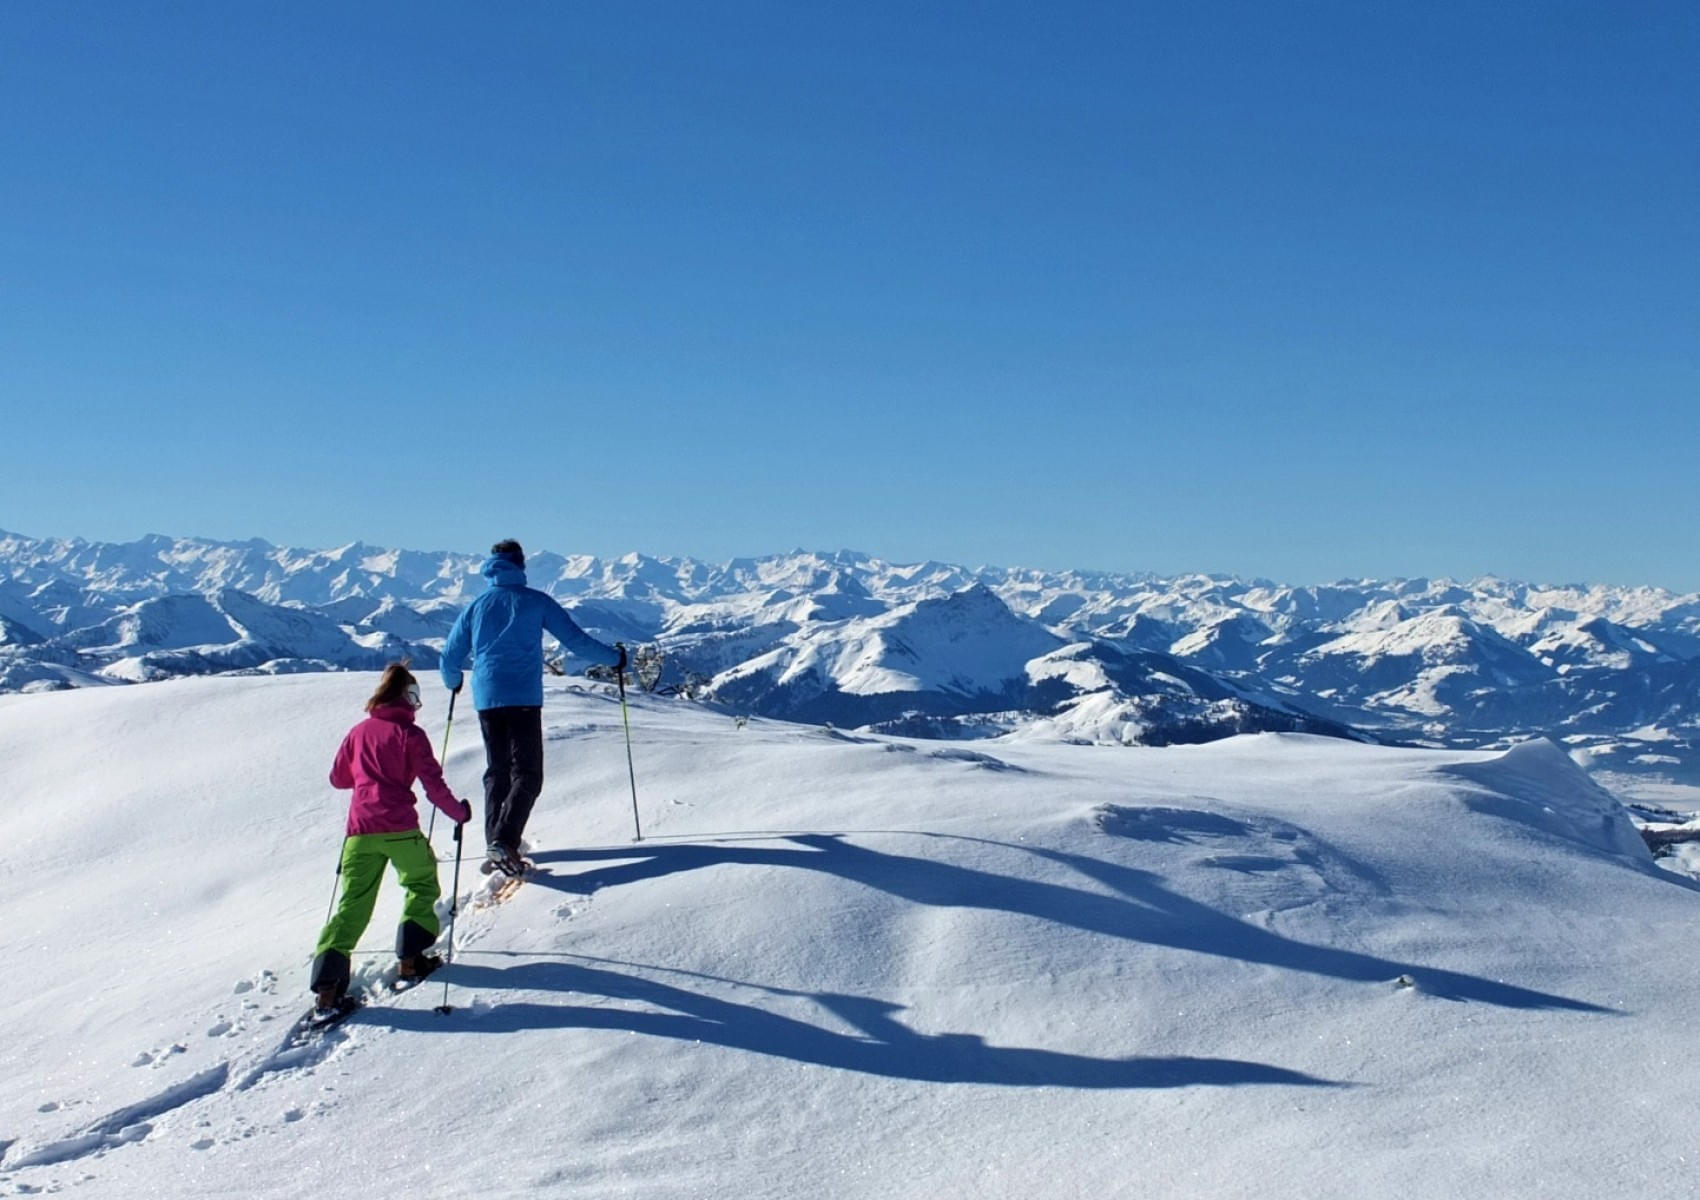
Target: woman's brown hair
392,688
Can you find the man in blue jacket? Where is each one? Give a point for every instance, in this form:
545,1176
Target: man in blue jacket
503,631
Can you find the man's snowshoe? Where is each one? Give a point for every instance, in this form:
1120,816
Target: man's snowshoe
500,858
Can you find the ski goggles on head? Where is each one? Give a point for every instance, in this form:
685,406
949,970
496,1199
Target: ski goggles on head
413,698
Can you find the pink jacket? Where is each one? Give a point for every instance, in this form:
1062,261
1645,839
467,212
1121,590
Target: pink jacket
380,758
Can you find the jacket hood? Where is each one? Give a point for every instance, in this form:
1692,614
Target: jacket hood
502,572
399,713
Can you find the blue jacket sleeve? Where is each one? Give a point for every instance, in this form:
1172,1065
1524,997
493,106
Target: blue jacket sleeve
455,649
574,640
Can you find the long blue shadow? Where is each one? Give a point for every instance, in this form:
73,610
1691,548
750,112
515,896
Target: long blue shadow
885,1046
1143,910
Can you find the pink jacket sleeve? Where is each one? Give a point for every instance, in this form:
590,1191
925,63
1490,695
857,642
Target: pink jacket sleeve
341,774
423,763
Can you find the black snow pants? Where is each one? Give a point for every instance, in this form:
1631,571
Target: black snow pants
513,771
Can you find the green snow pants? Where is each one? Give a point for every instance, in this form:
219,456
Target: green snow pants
363,860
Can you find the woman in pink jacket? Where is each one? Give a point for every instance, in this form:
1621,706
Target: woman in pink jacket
380,758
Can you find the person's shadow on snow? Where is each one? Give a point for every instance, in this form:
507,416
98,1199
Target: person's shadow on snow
1142,910
884,1045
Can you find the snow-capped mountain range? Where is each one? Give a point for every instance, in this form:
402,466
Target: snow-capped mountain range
925,648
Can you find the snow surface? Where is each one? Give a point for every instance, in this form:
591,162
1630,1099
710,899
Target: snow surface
841,966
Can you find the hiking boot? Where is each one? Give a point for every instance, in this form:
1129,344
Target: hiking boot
327,997
417,966
498,857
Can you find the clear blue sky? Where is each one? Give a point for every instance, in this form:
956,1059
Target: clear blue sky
1294,289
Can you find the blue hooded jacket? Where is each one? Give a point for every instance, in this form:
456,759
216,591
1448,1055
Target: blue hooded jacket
503,631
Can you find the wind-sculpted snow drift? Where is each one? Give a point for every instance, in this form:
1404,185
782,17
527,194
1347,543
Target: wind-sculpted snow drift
928,649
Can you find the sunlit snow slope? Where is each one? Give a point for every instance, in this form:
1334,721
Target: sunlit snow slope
840,966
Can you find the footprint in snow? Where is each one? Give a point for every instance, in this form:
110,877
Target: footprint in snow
133,1123
265,982
158,1058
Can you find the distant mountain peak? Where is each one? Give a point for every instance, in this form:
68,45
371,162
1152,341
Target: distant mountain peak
844,636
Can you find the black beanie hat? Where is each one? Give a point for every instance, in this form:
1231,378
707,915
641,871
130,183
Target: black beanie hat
510,550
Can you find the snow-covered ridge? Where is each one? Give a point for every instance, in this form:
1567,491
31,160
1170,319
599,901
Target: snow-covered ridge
947,649
854,966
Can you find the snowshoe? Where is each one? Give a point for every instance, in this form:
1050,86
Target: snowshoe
320,1018
500,887
413,968
499,858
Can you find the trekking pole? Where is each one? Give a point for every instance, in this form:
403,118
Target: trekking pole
444,759
454,906
630,770
336,884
